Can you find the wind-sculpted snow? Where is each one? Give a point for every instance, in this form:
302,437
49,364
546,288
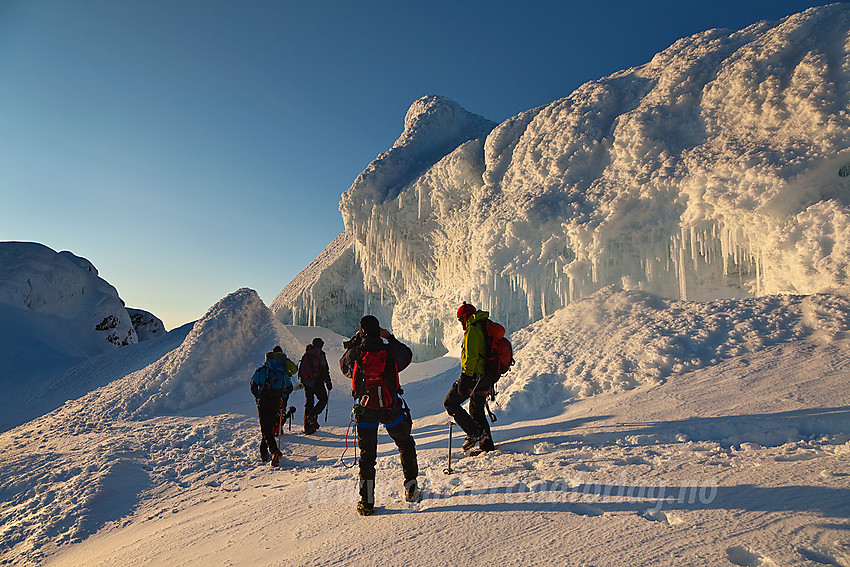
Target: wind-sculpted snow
65,290
220,353
717,170
618,340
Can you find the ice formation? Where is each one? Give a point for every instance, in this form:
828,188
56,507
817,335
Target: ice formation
716,170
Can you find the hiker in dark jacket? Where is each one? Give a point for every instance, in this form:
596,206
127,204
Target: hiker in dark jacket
373,366
315,375
473,384
271,387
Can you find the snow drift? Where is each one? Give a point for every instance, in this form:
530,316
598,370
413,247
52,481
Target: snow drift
618,340
717,170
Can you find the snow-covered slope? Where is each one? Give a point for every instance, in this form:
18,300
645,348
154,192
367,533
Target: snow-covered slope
717,170
219,354
55,313
744,461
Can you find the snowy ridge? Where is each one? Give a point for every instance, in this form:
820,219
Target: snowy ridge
714,171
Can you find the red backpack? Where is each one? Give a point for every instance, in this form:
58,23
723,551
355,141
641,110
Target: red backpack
374,377
500,352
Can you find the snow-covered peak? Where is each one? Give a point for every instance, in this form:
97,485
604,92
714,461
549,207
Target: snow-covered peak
433,127
716,170
435,120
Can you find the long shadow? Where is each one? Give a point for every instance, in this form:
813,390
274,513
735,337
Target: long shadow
597,499
765,429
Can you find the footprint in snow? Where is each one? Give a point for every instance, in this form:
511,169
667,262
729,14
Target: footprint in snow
797,457
745,557
823,557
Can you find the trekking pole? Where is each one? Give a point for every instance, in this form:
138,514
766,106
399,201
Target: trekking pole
279,426
326,412
449,469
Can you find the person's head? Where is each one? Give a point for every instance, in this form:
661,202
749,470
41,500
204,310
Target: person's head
370,326
464,312
318,342
277,349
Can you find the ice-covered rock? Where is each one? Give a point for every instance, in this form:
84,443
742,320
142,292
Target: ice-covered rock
148,326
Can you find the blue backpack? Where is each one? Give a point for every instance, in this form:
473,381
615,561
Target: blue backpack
261,381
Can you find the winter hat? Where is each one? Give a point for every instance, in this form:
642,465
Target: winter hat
465,311
318,342
370,326
277,349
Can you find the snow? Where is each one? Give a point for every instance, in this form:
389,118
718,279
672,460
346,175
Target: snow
746,458
668,247
710,172
55,313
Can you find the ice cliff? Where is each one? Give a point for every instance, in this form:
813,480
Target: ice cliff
719,169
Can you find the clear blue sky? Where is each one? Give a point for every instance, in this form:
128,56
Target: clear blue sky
190,148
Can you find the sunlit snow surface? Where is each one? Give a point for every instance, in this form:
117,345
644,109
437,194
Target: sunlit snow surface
667,407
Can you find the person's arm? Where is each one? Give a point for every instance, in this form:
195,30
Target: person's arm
400,352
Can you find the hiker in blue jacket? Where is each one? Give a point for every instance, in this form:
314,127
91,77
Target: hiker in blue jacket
271,387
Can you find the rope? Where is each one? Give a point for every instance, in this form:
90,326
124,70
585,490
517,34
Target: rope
342,458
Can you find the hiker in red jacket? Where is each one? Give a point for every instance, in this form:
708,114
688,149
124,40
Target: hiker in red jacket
373,366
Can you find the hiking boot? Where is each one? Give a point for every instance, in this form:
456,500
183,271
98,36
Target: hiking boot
365,509
264,455
486,444
411,491
276,460
472,440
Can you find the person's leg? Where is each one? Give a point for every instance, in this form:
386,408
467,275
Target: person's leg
268,414
367,438
399,430
458,395
477,403
322,397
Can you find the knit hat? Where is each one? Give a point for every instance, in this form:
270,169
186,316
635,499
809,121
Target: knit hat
318,342
464,311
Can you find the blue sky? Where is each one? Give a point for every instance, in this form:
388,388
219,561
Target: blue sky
190,148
